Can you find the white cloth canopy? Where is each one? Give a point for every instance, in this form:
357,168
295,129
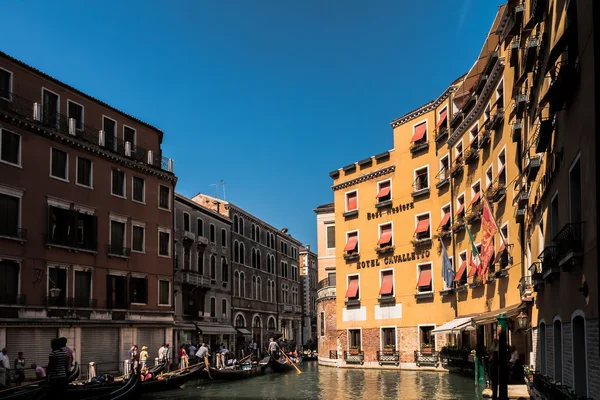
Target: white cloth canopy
455,326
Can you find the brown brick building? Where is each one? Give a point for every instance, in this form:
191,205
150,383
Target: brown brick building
86,222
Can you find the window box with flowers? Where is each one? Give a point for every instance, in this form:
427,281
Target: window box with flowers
496,192
471,154
477,282
384,249
457,168
475,214
354,350
426,348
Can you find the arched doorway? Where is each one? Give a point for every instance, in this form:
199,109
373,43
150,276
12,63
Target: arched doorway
579,355
240,341
257,333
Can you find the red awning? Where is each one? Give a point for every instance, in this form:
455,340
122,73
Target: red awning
461,271
443,117
445,219
386,236
387,284
424,278
460,209
501,250
352,288
476,197
422,226
352,202
351,244
383,191
419,132
473,269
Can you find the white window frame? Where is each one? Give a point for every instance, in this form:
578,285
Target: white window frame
20,164
134,133
497,95
357,328
456,152
474,127
378,189
381,328
477,182
91,173
441,166
164,230
357,239
426,166
440,111
487,113
10,84
346,200
82,114
419,326
488,180
124,196
503,226
120,219
116,125
82,268
502,152
458,204
443,214
428,213
391,223
327,236
66,179
183,214
170,195
426,136
418,266
170,290
143,192
59,266
142,225
381,271
18,193
348,276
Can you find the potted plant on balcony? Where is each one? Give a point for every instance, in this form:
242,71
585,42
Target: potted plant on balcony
389,349
354,350
426,348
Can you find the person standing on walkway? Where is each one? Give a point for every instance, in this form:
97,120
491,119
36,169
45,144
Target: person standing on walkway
144,356
19,369
58,367
183,359
63,344
4,368
133,355
40,373
161,353
167,356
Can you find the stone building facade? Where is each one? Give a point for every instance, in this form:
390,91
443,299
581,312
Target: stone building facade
308,276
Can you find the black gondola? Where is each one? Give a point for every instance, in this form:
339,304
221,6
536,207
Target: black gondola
310,356
169,382
226,374
278,366
17,391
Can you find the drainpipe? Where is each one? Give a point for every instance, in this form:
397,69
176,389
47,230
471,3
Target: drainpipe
596,24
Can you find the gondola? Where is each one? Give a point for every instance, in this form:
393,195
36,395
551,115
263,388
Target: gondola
171,381
278,366
310,356
17,391
227,374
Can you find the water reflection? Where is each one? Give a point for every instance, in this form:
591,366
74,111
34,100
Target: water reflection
329,383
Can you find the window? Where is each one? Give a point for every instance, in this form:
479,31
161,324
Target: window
116,291
268,239
419,133
295,273
486,114
139,189
388,338
384,191
242,290
138,234
258,234
273,241
330,231
59,164
423,228
200,227
235,224
458,152
84,172
10,214
500,96
442,117
241,226
117,237
353,289
164,243
502,168
421,179
118,183
164,197
425,281
187,258
446,218
322,319
461,276
224,307
9,281
489,176
460,206
57,278
5,84
475,194
212,234
223,238
444,167
554,227
129,135
284,269
242,254
354,336
186,222
474,143
542,347
579,355
201,263
75,111
50,108
254,290
236,251
426,337
224,270
213,267
352,201
109,126
351,243
258,264
253,232
164,292
387,283
10,147
139,290
385,236
575,215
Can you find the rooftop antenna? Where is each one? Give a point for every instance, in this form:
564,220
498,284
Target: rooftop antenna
223,184
216,189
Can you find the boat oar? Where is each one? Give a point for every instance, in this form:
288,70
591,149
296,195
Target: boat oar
207,366
249,355
288,360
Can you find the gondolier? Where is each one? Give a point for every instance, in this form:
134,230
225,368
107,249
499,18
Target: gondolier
273,348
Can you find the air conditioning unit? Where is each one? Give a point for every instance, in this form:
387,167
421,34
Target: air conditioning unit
150,157
37,112
127,149
72,126
101,138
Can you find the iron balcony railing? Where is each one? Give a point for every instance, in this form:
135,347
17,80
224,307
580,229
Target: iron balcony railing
333,355
117,250
12,299
327,282
388,356
34,112
12,232
549,258
71,241
569,238
354,356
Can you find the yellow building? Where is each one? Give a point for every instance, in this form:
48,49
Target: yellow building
396,212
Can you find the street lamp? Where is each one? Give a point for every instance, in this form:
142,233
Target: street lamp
522,320
55,291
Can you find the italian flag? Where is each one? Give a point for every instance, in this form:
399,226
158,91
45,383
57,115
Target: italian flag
475,261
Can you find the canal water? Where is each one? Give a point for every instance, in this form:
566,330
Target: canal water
329,383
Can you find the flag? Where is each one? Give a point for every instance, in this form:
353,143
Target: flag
447,270
489,229
475,261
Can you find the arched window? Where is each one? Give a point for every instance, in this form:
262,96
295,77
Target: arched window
223,238
272,241
268,239
580,372
213,307
240,322
236,283
258,289
242,254
256,322
224,308
201,263
224,270
258,234
271,324
213,267
241,232
242,285
258,265
253,257
186,222
236,251
253,288
253,232
558,350
235,224
542,347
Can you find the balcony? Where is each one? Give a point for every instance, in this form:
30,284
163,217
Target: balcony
520,215
497,118
420,187
520,101
457,168
195,279
427,356
514,52
419,146
484,138
443,178
354,357
481,84
201,241
533,166
569,246
18,234
114,250
530,54
333,355
544,136
458,225
34,113
537,278
388,356
516,129
489,65
526,288
471,154
350,214
558,89
441,133
383,203
286,308
418,241
352,303
385,300
326,288
537,10
424,295
351,256
471,101
81,302
550,267
384,249
475,214
496,192
457,119
12,299
189,237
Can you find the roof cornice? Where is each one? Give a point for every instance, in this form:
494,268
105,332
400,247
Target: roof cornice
369,176
432,105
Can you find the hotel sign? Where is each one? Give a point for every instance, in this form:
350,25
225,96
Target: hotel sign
391,210
391,260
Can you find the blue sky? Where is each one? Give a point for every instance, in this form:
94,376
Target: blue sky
269,96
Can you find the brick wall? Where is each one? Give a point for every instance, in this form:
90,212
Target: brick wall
550,350
408,340
567,355
330,340
370,343
593,358
534,340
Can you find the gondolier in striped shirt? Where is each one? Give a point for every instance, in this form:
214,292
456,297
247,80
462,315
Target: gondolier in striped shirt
58,366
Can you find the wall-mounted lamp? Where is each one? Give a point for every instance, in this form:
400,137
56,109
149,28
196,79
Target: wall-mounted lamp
584,289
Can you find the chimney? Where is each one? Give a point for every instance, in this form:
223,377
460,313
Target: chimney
307,247
217,206
284,230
